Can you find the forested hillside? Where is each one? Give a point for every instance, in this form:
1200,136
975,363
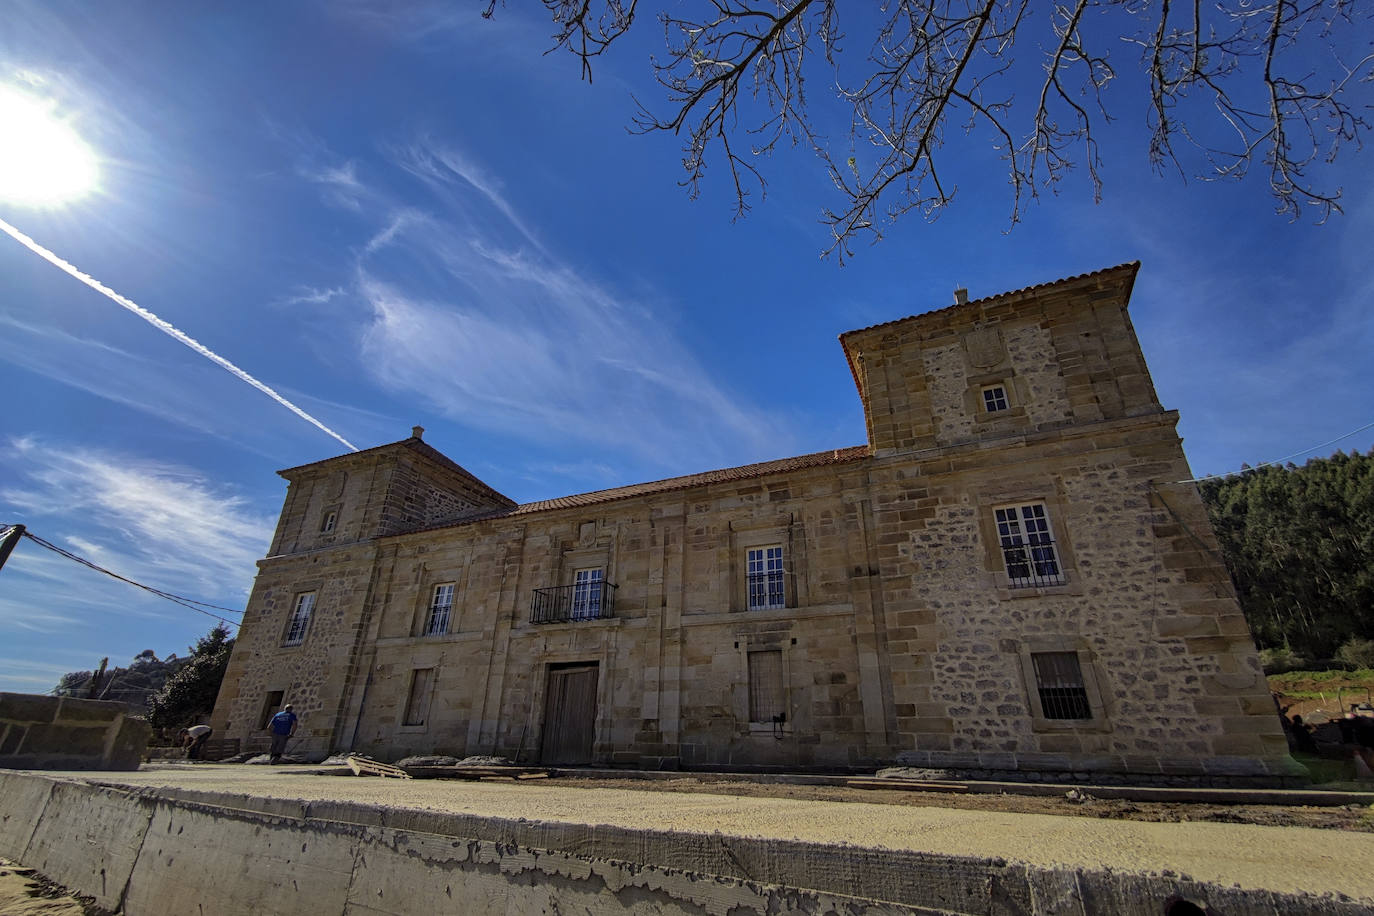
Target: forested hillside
1300,545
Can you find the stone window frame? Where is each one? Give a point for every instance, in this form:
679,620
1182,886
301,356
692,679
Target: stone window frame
1019,493
405,726
766,560
287,639
744,645
778,531
1099,721
1013,387
329,520
428,629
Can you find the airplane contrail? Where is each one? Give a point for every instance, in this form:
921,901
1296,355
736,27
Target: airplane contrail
164,327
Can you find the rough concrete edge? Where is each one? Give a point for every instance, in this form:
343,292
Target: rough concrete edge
760,861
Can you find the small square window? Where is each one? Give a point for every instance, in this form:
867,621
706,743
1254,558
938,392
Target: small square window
300,619
440,610
1059,681
995,399
327,524
764,567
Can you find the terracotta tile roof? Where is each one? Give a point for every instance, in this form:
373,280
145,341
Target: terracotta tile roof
1130,266
724,475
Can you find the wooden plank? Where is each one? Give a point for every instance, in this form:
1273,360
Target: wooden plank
366,766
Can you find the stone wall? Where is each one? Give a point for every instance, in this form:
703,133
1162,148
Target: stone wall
64,733
904,635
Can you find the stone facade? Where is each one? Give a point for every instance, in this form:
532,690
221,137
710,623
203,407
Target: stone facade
1008,577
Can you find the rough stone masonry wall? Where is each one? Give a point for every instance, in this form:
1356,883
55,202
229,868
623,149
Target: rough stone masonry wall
311,676
65,733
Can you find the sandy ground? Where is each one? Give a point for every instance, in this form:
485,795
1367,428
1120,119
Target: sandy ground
1279,858
23,892
1358,818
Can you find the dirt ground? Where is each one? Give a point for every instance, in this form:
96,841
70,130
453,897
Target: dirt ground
1346,817
24,892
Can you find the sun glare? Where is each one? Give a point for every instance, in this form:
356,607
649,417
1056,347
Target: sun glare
42,160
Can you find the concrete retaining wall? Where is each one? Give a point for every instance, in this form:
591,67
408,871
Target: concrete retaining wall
64,733
183,851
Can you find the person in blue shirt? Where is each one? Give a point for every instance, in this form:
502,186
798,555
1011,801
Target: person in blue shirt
282,726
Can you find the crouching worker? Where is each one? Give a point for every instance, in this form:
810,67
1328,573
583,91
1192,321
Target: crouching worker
282,726
193,739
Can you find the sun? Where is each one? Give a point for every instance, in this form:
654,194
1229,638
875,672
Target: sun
42,160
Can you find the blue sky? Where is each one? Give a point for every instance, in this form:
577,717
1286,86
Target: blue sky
414,216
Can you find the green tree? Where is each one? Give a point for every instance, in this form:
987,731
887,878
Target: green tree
190,693
1300,545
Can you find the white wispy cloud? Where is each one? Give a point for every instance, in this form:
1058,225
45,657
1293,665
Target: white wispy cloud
309,295
469,313
160,523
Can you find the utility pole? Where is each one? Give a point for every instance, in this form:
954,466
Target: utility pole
8,538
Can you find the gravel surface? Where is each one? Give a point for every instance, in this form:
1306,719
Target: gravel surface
1280,858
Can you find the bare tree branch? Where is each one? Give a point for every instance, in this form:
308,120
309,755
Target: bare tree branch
1240,81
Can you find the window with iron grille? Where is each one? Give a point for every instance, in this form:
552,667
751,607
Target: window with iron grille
764,567
767,699
417,703
1059,681
1028,546
440,610
586,598
300,619
995,398
330,519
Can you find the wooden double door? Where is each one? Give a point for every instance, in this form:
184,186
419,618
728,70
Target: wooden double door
569,713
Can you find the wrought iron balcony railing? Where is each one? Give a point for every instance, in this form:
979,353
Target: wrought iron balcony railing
1032,565
584,601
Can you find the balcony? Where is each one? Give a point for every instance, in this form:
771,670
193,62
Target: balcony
571,603
1033,565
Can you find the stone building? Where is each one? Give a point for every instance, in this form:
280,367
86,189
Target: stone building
1008,576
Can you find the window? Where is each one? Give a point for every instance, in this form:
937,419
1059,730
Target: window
269,707
330,519
300,619
1059,681
586,598
765,578
440,610
995,398
767,699
417,703
1028,546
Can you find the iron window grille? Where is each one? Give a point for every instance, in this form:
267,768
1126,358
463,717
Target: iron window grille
440,610
1059,681
300,619
561,604
765,578
1028,546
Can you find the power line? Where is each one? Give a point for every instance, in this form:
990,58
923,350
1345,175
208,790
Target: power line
192,603
1279,460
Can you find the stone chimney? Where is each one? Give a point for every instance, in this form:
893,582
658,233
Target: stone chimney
417,432
961,296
